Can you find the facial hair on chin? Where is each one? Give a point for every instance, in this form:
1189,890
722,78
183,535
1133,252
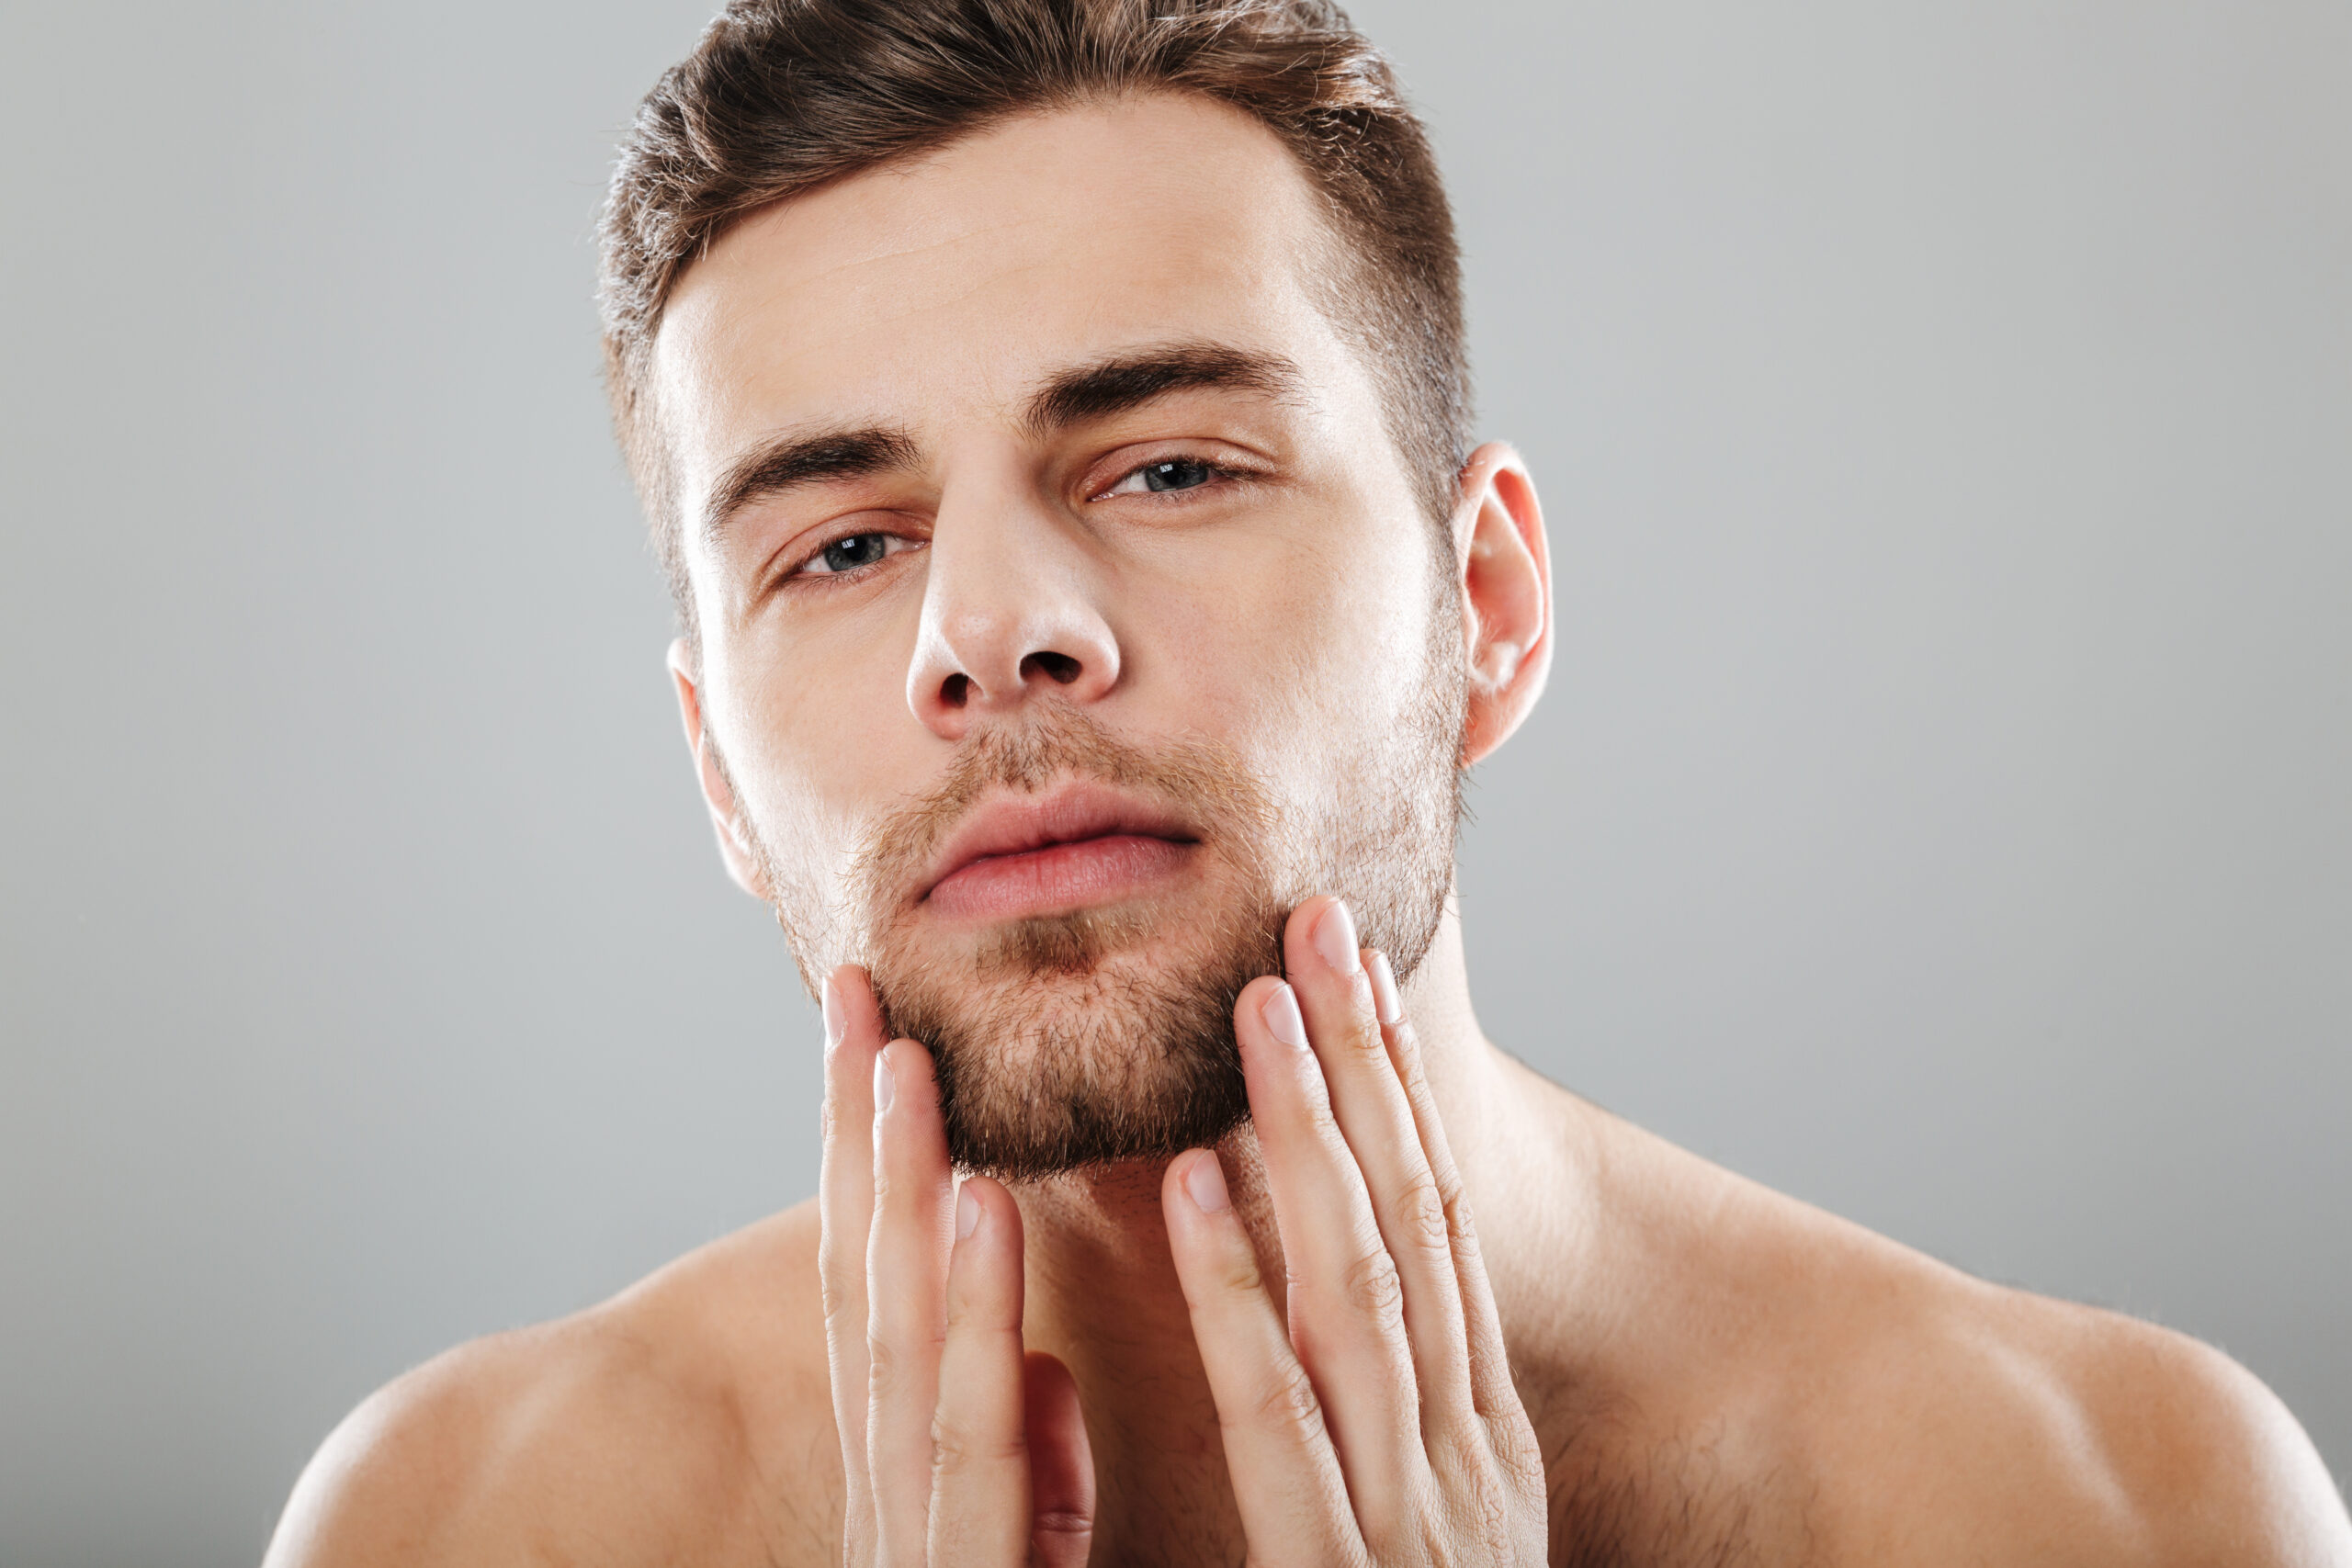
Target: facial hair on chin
1106,1034
1078,1040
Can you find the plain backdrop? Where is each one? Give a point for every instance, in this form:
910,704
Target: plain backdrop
1942,808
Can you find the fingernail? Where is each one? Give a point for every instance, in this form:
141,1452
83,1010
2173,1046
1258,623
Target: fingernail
836,1016
882,1084
1204,1183
968,1212
1384,990
1334,938
1280,1009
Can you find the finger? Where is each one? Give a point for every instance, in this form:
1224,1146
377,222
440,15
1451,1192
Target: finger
1494,1396
906,1286
846,1210
1286,1477
1344,1308
1337,994
980,1486
1061,1465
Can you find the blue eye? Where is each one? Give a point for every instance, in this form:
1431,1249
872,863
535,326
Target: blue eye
1180,473
857,550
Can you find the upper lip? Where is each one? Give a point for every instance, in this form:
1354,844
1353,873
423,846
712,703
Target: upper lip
1067,814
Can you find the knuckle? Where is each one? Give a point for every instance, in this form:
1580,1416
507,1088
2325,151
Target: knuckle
958,1450
1490,1511
1487,1507
1419,1218
1463,1451
1495,1402
1237,1273
991,1334
1285,1400
833,1120
1371,1286
1320,1122
1453,1196
979,1307
1520,1455
1362,1037
1462,1230
1408,1046
1065,1522
844,1316
890,1373
884,1372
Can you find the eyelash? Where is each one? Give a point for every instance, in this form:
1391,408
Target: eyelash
798,575
1218,473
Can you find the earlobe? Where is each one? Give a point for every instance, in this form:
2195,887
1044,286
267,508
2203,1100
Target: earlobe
1506,583
718,793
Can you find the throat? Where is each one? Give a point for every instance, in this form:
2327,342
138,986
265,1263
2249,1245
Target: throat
1102,1294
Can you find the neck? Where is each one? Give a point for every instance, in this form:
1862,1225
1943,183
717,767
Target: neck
1102,1292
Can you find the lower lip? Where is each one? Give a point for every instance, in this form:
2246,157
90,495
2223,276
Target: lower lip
1059,879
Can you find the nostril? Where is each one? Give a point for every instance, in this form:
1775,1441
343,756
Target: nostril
956,690
1061,667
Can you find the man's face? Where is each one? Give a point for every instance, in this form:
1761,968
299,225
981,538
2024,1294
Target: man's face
1066,614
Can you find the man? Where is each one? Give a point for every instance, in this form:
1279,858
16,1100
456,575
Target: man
1051,413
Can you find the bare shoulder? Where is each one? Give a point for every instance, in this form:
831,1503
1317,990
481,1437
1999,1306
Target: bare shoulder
687,1419
1915,1415
1967,1421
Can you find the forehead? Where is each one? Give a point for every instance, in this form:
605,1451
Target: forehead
955,282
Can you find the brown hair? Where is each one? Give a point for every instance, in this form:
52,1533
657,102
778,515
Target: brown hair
782,96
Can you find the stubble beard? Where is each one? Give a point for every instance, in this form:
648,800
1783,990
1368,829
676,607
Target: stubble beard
1071,1041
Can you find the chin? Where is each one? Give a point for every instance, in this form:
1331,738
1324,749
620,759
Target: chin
1073,1041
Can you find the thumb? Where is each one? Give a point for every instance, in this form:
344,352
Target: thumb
1061,1465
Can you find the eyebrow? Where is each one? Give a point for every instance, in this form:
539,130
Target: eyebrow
805,458
1110,386
1129,381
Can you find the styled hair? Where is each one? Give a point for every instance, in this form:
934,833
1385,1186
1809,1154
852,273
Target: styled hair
781,97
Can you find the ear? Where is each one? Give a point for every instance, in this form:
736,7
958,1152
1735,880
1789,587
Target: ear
1506,595
734,842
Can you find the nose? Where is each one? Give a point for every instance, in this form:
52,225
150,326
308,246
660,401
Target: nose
1012,608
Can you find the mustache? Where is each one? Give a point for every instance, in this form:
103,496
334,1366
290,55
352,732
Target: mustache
1204,782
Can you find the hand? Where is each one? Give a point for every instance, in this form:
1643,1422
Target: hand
1375,1421
955,1447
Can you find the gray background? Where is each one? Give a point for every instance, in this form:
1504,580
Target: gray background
1940,810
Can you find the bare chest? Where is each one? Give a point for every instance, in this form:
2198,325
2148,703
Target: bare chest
1673,1503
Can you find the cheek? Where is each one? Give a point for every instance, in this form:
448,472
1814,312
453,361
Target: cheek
813,743
1226,647
1299,656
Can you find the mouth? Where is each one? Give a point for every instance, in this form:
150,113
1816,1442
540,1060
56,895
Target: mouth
1071,848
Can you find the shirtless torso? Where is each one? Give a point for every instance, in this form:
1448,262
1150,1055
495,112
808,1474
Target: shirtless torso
1718,1375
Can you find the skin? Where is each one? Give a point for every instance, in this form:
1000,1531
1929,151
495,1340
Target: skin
1630,1356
